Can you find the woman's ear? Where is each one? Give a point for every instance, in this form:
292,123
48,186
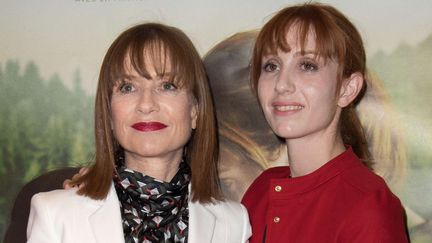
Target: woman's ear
350,88
194,115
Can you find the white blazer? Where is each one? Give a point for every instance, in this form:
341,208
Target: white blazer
66,217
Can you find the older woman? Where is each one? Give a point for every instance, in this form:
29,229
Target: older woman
155,173
308,71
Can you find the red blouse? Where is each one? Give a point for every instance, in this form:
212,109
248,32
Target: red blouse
343,201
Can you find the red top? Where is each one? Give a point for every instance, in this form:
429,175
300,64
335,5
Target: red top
343,201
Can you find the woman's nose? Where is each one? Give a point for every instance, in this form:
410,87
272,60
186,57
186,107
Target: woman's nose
147,102
285,82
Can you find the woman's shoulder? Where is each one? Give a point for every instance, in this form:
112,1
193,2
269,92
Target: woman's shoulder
56,196
59,201
370,191
51,211
230,206
231,220
365,180
223,208
375,210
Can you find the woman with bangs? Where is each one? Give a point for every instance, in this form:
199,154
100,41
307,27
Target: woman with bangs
308,72
155,177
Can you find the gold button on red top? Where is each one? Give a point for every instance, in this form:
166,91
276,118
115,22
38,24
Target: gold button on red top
278,188
276,219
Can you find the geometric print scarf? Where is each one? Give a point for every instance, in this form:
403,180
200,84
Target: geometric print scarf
153,210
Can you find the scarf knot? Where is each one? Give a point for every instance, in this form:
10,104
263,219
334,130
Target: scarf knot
153,210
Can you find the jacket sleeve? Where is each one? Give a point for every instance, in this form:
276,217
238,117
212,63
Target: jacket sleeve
40,227
247,232
376,218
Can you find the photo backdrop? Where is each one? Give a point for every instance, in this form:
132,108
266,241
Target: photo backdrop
51,50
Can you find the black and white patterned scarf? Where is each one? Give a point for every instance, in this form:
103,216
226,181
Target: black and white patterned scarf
153,210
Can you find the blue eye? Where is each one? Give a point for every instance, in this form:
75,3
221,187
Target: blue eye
169,86
126,88
270,67
308,66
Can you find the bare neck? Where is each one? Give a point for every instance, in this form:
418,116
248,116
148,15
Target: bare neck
163,168
307,154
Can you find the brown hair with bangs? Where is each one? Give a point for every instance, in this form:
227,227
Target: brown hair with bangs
337,39
162,44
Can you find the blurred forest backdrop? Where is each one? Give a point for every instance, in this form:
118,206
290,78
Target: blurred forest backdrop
407,75
46,125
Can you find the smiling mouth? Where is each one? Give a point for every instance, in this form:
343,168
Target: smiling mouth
288,107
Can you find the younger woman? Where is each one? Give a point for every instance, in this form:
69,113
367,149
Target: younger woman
308,71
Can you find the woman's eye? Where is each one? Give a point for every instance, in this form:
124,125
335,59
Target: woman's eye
169,86
126,88
270,67
308,66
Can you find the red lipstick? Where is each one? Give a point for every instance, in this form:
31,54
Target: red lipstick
148,126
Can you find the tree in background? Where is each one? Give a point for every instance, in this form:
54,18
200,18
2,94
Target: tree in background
43,126
407,75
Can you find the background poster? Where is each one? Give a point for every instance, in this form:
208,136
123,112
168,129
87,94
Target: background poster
50,53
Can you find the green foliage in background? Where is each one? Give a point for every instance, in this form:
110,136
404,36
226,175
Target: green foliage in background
407,76
43,126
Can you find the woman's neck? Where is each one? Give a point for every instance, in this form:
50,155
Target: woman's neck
163,168
308,154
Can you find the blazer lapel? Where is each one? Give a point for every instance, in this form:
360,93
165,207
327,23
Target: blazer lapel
106,219
201,223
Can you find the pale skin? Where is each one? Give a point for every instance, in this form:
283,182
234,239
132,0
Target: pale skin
306,85
299,96
138,99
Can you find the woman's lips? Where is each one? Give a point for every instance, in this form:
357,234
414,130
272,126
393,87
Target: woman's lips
148,126
285,108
